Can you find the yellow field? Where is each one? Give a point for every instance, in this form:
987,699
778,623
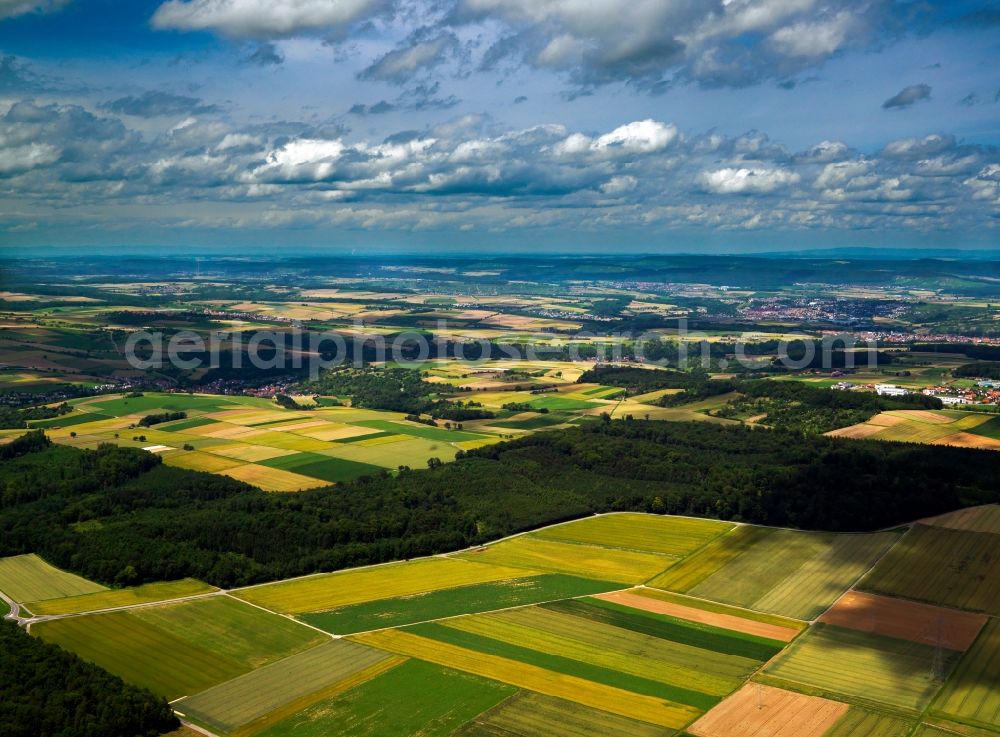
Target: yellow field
641,532
272,479
332,590
248,452
607,698
609,564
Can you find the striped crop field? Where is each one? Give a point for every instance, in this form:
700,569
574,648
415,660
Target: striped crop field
533,678
111,599
232,628
958,568
666,627
769,626
975,519
972,694
858,722
27,578
401,610
415,698
697,567
794,574
566,641
264,696
648,533
578,559
531,715
332,590
864,666
140,653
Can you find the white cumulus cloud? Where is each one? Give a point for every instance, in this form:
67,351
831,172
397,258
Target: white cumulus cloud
748,180
261,17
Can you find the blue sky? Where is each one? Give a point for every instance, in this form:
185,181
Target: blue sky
462,124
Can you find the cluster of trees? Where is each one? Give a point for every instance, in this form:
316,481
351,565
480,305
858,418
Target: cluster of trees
396,389
797,406
13,419
156,419
49,692
978,370
633,380
119,516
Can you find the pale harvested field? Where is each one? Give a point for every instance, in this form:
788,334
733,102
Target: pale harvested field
929,416
976,519
763,711
195,460
725,621
857,431
247,452
969,440
885,420
906,620
273,479
337,432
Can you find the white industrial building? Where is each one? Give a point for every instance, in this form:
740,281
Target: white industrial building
890,390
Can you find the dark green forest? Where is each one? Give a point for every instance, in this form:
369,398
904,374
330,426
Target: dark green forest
49,692
121,517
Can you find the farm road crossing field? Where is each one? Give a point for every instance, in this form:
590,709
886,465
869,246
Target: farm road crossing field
147,593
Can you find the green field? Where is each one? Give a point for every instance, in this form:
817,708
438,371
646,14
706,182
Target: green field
140,653
794,574
27,578
273,688
452,602
697,567
415,698
321,466
149,593
957,568
861,723
422,431
642,532
989,429
231,628
627,566
531,715
863,666
972,694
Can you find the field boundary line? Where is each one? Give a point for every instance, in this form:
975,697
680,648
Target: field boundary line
861,577
477,614
282,614
722,603
124,607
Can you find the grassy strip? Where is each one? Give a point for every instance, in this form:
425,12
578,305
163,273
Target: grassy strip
671,628
567,666
68,420
146,594
370,436
188,424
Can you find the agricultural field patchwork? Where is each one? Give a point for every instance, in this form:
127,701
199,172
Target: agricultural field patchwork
786,572
568,631
940,427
